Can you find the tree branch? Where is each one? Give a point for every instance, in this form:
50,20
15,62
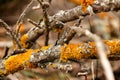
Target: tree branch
80,51
69,15
101,52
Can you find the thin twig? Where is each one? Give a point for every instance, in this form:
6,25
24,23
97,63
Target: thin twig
22,16
34,23
18,51
67,33
66,16
20,19
47,37
6,52
96,75
12,34
92,68
45,19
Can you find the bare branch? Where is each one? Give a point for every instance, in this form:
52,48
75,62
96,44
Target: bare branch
34,23
6,52
44,6
21,18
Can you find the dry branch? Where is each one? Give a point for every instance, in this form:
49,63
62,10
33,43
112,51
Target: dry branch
66,36
20,20
44,6
31,58
69,15
102,52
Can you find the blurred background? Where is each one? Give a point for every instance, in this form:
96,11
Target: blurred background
106,25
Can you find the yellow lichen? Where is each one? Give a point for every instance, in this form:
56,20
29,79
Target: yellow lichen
70,51
77,51
18,62
84,3
24,40
87,50
20,27
114,46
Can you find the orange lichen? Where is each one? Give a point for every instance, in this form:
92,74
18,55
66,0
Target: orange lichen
21,28
87,50
24,40
70,51
18,62
77,51
84,3
114,46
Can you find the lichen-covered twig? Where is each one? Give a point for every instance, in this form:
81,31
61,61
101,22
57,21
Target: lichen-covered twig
68,15
66,52
66,36
101,52
19,22
67,33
